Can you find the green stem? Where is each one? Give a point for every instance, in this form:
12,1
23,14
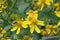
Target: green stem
11,9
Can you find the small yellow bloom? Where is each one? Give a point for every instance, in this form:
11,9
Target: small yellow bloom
47,2
27,38
42,3
5,38
2,31
50,29
3,6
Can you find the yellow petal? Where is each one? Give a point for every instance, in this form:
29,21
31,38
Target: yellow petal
42,6
55,32
57,13
57,8
48,31
18,31
40,23
32,28
13,29
48,2
58,23
37,29
25,24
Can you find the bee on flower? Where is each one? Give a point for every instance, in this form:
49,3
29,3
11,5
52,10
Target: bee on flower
17,25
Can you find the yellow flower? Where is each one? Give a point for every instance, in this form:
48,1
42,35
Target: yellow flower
32,14
57,13
17,23
47,2
32,21
5,38
27,38
2,6
50,29
2,31
42,3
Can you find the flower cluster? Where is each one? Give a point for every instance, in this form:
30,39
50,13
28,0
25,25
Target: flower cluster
2,6
24,19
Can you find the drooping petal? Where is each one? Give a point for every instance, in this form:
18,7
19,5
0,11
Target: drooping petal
40,22
37,29
32,28
14,28
58,23
18,31
42,6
